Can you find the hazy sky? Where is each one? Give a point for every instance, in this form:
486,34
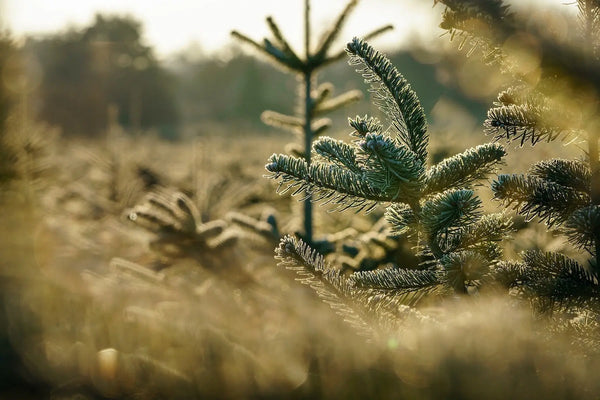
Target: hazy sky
170,25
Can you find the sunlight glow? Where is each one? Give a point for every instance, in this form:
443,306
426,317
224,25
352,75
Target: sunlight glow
171,26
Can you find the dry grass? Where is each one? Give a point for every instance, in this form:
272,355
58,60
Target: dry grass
92,312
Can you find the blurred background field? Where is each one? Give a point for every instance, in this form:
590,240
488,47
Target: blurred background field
92,305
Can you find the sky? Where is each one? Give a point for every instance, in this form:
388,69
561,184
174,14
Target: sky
173,25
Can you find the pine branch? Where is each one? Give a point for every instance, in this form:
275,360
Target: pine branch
482,236
327,106
210,229
281,57
462,267
462,169
535,197
570,173
532,122
489,228
491,29
559,280
329,37
338,152
175,221
401,218
166,207
224,241
189,209
395,96
148,219
327,183
583,228
283,43
509,97
391,288
250,41
321,93
364,125
319,126
485,23
376,32
450,242
509,273
262,228
167,212
328,283
371,35
396,279
491,10
390,168
278,120
394,308
450,209
287,59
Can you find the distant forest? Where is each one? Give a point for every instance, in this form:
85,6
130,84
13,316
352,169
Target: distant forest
80,74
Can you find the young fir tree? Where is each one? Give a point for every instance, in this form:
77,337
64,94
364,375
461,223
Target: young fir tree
434,205
316,101
560,104
178,228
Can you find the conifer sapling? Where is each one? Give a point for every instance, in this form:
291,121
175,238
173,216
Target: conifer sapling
316,100
434,205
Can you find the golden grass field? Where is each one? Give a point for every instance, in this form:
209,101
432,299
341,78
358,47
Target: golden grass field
93,307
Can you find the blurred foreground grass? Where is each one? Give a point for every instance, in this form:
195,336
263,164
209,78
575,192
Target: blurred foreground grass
89,310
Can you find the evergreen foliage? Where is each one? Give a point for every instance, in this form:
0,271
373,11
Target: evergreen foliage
480,23
364,298
370,250
532,118
316,100
561,193
434,205
27,150
175,220
265,227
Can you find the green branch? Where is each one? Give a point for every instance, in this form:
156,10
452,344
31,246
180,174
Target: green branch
325,182
453,208
569,173
551,202
464,168
395,96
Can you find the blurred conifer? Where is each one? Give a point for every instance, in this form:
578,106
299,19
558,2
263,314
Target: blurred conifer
557,99
316,100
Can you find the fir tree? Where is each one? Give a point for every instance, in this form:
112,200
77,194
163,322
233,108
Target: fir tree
435,205
175,220
563,194
316,100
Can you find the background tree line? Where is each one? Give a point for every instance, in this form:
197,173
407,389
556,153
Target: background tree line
85,71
